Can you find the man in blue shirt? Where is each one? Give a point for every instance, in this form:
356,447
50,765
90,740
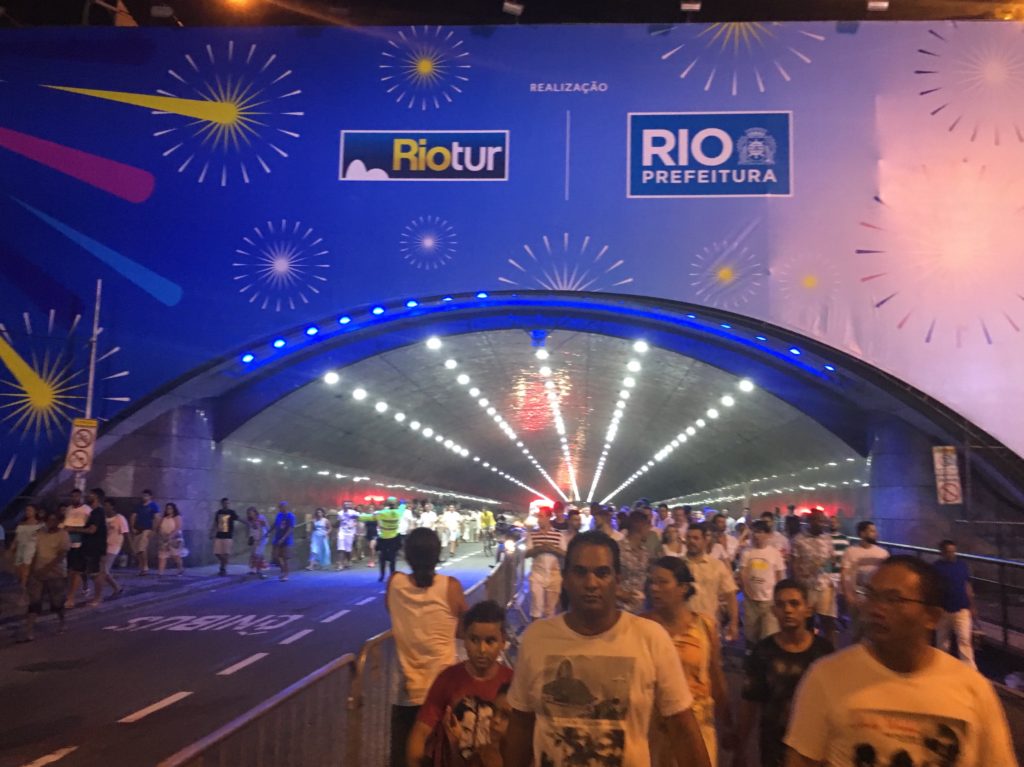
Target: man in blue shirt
142,529
281,537
957,603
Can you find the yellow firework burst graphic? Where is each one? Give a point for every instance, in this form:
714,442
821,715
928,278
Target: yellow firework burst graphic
732,54
42,387
425,67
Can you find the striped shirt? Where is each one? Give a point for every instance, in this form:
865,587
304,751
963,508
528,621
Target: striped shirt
546,564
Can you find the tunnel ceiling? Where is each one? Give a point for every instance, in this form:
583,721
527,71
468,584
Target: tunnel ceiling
758,436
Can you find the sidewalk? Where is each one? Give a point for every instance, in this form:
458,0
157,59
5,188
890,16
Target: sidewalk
139,591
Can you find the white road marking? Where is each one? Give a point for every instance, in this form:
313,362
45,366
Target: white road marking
51,758
170,700
365,601
242,664
296,636
332,618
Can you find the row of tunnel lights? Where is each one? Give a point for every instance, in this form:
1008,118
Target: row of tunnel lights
434,344
633,366
412,303
706,496
727,400
357,478
550,387
360,394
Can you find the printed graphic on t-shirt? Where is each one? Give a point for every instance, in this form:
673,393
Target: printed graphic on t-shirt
587,700
897,739
470,725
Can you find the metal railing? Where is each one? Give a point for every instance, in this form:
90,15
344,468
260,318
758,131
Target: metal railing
998,586
343,708
295,727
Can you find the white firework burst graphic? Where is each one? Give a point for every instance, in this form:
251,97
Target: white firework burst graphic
566,265
43,377
740,54
807,283
428,242
728,273
425,67
280,265
239,110
943,256
973,80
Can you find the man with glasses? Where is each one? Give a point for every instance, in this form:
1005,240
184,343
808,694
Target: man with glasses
895,696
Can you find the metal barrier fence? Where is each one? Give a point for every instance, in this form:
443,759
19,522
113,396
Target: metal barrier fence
295,727
340,712
998,586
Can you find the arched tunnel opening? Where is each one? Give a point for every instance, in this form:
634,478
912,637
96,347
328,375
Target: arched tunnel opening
500,398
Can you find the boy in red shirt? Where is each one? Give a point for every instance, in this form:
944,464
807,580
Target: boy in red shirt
461,720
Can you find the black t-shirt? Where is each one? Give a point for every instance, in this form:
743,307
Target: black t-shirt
224,523
772,675
95,544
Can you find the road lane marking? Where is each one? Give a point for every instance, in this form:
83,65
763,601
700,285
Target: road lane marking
242,664
170,700
296,636
365,601
332,618
51,758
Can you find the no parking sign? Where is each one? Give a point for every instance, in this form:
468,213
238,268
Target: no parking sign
81,444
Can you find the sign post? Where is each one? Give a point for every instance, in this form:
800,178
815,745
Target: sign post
947,475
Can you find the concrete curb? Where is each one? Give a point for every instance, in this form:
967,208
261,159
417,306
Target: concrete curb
143,599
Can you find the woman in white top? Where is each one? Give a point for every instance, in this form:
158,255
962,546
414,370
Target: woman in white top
425,611
672,544
172,540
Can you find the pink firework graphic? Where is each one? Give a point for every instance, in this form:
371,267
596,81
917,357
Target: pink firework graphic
943,256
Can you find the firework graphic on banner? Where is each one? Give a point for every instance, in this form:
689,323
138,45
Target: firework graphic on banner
740,55
280,264
728,273
43,378
424,67
226,114
428,242
564,264
972,80
807,284
930,248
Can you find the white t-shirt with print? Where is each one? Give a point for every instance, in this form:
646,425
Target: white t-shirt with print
594,696
851,710
117,529
860,563
762,568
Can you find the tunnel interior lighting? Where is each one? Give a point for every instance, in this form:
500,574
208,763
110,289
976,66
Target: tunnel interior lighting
344,319
312,330
359,394
330,377
641,347
412,303
830,368
795,351
434,343
381,407
248,357
279,343
377,311
451,364
482,294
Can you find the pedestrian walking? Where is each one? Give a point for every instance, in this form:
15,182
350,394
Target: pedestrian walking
258,532
48,573
171,544
25,542
282,537
223,534
142,522
425,610
348,524
958,607
319,542
117,531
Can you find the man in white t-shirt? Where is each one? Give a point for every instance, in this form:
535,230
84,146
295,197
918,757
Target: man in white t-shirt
761,567
775,538
859,563
588,682
895,699
714,582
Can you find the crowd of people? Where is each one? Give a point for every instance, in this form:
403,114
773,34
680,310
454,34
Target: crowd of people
622,663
